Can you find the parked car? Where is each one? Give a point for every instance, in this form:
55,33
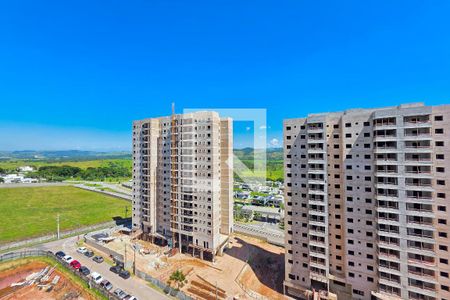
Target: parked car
124,274
82,250
68,259
83,270
75,264
116,269
98,259
60,254
96,277
118,292
89,253
130,297
106,284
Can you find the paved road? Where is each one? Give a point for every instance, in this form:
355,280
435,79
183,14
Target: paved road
98,190
272,235
132,285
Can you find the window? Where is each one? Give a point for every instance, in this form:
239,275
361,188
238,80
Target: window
366,134
439,143
439,130
348,135
440,169
440,182
366,123
439,156
348,124
439,118
441,208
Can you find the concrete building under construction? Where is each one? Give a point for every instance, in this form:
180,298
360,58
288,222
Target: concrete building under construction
183,182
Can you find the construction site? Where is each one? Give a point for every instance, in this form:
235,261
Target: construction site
38,280
248,269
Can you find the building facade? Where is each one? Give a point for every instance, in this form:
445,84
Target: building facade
183,181
366,204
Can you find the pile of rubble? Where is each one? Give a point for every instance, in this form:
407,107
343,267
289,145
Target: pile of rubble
43,279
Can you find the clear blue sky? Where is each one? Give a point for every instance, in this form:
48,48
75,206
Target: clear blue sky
74,75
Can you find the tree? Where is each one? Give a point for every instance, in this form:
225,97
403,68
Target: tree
1,180
178,278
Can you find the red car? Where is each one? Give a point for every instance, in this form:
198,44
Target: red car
75,264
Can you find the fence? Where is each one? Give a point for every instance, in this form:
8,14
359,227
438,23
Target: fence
167,289
53,236
89,241
33,253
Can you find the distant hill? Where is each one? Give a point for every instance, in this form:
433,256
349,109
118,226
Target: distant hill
272,154
63,155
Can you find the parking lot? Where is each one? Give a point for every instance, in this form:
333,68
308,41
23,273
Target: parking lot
133,285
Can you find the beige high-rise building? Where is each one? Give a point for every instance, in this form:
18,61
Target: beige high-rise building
183,181
367,204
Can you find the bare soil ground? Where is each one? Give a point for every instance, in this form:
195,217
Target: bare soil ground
64,290
263,274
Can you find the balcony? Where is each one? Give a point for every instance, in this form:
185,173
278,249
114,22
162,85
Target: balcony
419,259
419,195
417,133
385,122
415,121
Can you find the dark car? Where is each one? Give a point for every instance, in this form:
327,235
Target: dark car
98,259
124,274
89,253
83,270
116,269
60,254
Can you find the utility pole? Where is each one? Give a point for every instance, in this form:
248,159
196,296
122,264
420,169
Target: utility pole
134,261
125,257
57,226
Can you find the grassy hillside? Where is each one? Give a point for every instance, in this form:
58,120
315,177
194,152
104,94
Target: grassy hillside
255,158
30,212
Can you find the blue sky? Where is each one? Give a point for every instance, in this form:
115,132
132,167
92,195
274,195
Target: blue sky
74,75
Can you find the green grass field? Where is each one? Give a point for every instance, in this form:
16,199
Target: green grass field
30,212
83,164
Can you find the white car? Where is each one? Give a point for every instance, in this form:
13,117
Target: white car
82,250
96,277
68,259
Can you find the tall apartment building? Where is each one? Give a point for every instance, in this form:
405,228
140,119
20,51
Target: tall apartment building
183,181
367,204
